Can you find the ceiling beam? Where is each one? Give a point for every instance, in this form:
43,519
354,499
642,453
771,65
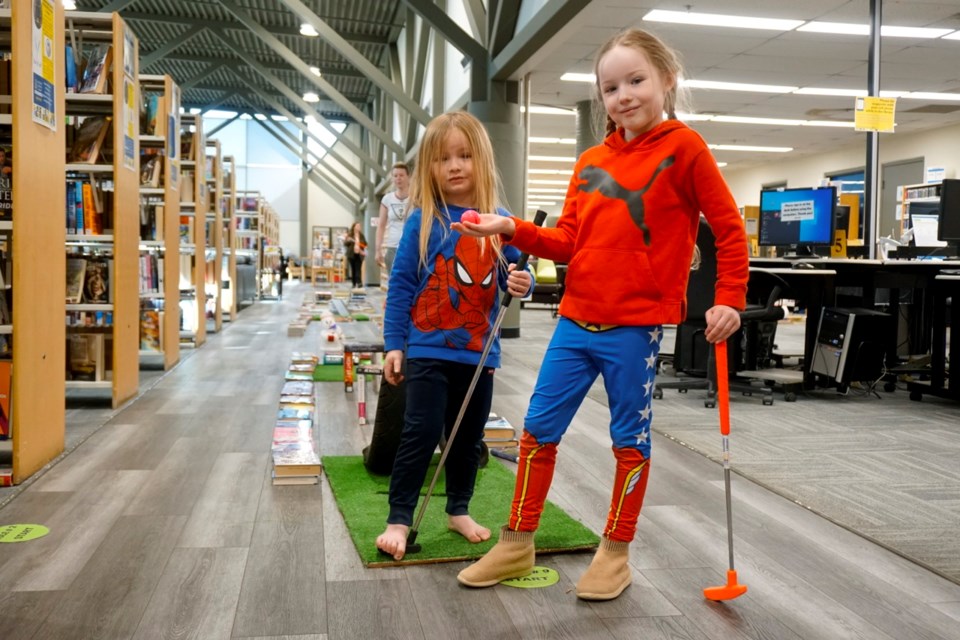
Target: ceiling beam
339,43
222,125
477,17
227,24
327,71
294,60
280,109
170,45
299,101
116,5
203,75
314,177
419,76
224,98
464,42
503,26
551,17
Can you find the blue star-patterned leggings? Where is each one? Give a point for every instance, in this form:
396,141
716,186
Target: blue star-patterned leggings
625,356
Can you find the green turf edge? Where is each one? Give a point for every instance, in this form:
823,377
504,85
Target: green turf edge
362,500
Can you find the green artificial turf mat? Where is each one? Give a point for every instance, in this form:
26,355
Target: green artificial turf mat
362,499
328,373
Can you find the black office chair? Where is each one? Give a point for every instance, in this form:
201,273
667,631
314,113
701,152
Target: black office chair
750,348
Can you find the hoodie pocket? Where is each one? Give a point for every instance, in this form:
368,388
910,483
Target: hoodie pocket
612,276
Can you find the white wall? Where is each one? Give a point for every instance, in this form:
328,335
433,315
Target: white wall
938,148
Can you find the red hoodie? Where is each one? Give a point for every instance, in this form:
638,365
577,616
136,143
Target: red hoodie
629,226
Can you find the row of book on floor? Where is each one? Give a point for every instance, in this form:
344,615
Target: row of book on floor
295,459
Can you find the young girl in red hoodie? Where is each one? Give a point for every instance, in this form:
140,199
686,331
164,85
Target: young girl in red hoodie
633,206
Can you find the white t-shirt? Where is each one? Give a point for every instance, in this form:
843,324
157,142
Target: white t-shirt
396,216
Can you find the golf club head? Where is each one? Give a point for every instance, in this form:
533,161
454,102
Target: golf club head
729,591
412,548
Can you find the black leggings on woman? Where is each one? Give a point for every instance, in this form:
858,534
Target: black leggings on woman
356,267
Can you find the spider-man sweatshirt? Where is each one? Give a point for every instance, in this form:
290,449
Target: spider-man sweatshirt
446,309
629,225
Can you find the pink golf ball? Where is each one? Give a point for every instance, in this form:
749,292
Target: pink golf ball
470,216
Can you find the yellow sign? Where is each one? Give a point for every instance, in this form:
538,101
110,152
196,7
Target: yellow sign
22,532
874,114
539,577
839,247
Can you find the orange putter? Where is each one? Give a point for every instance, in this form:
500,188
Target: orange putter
732,589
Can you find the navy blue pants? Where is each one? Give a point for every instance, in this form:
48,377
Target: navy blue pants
435,392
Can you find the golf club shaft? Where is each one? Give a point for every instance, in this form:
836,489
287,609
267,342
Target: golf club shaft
505,303
726,488
723,399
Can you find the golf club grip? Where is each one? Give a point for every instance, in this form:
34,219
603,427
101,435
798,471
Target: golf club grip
539,217
723,390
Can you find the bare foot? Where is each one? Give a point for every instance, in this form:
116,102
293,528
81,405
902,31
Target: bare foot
468,528
394,540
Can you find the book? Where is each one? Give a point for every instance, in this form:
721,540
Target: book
70,69
296,400
85,356
298,376
294,414
96,281
76,274
150,330
299,357
295,480
295,459
498,429
6,182
297,388
302,431
6,382
302,368
88,139
96,71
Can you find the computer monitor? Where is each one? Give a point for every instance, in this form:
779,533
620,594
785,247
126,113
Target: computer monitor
950,212
925,222
798,219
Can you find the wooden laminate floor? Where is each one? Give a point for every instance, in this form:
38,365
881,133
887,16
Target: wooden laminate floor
164,524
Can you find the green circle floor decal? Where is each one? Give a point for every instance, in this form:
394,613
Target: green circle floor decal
22,532
539,577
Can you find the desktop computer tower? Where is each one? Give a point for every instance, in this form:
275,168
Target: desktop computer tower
851,345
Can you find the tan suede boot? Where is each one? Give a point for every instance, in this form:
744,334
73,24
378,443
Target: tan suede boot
609,573
512,557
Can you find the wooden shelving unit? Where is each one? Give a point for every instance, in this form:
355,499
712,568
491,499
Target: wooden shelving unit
270,267
117,245
193,215
164,138
36,338
246,234
229,296
213,180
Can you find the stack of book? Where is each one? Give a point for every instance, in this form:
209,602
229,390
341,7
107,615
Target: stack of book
295,460
498,433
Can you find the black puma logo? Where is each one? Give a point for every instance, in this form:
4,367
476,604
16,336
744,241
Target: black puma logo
598,179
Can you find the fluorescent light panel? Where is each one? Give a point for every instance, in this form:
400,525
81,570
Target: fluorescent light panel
570,160
746,147
306,29
720,20
552,140
310,96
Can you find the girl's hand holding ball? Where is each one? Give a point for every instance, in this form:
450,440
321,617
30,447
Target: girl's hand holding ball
470,216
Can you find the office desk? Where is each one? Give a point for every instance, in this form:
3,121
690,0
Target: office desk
815,288
869,275
941,384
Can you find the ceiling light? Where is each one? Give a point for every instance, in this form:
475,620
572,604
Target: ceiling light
561,182
579,77
69,5
306,29
552,159
721,164
818,91
310,96
552,172
315,71
752,120
547,191
952,36
548,111
736,86
747,147
719,20
913,32
552,140
694,117
929,95
842,28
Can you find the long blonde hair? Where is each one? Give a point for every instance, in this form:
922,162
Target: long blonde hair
425,193
664,59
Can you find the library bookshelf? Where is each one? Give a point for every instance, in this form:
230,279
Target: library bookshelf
36,336
104,325
159,222
213,181
193,215
230,291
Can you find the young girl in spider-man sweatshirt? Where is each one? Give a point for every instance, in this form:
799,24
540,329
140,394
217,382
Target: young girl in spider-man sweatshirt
441,307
